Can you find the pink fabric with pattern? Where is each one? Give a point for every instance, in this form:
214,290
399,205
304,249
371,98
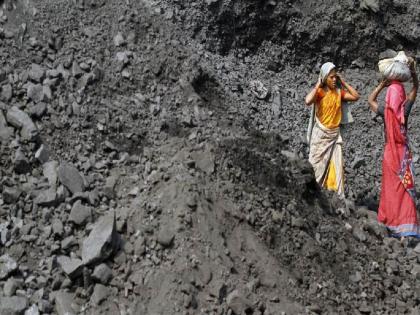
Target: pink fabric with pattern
395,97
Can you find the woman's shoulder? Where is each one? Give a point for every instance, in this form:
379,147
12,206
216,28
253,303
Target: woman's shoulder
320,93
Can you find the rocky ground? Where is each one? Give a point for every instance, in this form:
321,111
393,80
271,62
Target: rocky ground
141,174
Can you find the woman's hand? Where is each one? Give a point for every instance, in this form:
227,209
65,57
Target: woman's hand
351,94
340,77
384,83
318,83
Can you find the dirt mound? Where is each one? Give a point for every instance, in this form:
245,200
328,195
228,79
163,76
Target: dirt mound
299,27
142,175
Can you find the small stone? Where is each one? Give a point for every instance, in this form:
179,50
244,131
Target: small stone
370,5
21,163
54,73
70,177
10,287
14,305
166,236
139,246
277,216
359,234
38,110
238,303
35,92
6,93
42,154
126,74
45,306
52,83
388,53
7,266
63,72
4,233
87,79
298,222
357,277
11,195
376,228
315,308
358,162
109,189
416,271
64,303
190,163
109,145
6,132
75,70
119,40
19,119
102,274
122,59
33,310
80,214
36,73
68,242
50,171
47,198
46,90
8,34
57,227
417,248
84,66
71,266
100,294
93,197
134,192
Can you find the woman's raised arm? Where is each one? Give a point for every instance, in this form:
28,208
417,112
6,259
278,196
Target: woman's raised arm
413,93
373,103
311,97
351,94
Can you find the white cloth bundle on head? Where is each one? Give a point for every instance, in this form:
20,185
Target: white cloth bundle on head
396,68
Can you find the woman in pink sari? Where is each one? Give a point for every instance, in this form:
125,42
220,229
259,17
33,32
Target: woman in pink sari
397,206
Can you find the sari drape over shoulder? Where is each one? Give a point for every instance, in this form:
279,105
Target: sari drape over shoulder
397,207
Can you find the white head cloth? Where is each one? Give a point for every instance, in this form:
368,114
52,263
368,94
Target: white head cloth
325,70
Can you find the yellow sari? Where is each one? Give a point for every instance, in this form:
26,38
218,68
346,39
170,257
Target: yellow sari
326,144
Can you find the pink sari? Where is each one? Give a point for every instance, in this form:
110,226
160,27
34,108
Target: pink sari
397,208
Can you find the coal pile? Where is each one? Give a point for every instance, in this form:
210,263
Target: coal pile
153,160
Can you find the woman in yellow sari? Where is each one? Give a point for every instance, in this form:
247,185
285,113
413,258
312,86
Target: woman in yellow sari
325,153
